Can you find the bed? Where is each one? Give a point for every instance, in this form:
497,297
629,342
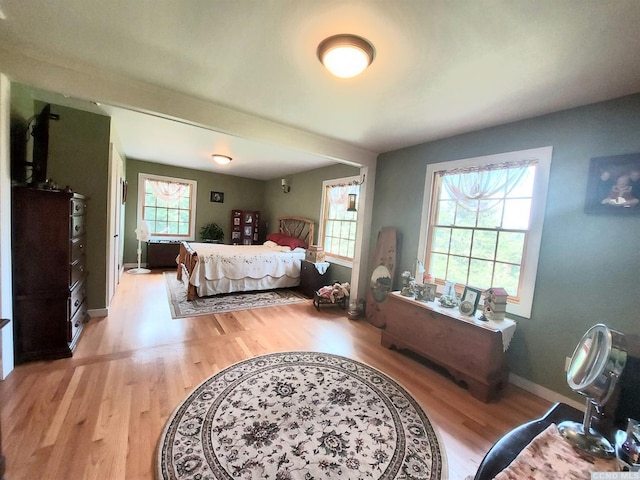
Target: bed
211,269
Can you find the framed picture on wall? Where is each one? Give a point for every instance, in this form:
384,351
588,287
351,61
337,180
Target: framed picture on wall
613,185
217,197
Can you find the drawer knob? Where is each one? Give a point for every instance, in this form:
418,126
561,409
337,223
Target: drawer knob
77,228
77,324
76,303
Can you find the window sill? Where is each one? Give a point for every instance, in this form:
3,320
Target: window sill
340,261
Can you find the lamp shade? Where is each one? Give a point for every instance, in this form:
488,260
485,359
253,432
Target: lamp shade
221,159
345,55
143,232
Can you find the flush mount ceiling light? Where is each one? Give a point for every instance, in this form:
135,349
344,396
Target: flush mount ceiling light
221,159
345,55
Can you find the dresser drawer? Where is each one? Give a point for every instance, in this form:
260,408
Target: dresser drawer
76,272
78,246
78,206
76,298
77,322
76,228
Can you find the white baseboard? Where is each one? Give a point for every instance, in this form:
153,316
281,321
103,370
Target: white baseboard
543,392
133,265
98,312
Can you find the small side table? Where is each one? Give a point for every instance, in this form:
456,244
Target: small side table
311,279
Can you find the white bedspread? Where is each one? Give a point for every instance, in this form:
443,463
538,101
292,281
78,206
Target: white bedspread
235,262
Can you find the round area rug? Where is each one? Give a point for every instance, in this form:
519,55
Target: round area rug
300,415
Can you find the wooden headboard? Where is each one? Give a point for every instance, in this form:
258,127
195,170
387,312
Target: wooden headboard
298,227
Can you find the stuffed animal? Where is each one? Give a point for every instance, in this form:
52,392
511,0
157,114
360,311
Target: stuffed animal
335,292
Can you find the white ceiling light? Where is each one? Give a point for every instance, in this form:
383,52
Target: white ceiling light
221,159
345,55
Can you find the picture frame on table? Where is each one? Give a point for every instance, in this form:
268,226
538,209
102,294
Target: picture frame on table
613,185
430,292
471,295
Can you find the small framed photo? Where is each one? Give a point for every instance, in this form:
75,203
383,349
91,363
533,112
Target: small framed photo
248,231
430,292
235,235
217,197
613,185
471,295
236,221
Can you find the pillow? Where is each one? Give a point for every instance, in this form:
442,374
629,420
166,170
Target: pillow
291,242
275,237
270,243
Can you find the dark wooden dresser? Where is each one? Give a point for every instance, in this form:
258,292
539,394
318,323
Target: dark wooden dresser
310,279
162,253
49,288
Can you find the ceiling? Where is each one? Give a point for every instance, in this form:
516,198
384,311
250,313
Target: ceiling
442,67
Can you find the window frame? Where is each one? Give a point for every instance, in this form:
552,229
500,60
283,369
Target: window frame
337,182
142,177
529,268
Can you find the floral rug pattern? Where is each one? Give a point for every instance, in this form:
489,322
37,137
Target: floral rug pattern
229,302
300,415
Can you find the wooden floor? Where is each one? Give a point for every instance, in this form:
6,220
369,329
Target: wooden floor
99,414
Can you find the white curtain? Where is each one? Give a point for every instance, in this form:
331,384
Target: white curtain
338,197
167,191
490,182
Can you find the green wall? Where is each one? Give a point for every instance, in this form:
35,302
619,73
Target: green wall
239,193
305,200
79,157
588,264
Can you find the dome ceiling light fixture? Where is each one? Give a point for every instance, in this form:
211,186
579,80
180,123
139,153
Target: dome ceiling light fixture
221,159
345,55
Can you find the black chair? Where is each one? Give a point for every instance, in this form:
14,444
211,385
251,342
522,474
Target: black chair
509,446
622,406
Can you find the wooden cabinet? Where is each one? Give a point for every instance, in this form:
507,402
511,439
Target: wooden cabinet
310,279
473,354
245,226
49,287
162,253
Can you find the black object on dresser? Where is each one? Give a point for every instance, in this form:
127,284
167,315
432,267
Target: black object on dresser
310,279
49,275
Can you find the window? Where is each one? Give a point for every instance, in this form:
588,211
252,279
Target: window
483,222
168,206
339,222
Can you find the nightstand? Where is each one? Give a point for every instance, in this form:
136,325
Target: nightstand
311,279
